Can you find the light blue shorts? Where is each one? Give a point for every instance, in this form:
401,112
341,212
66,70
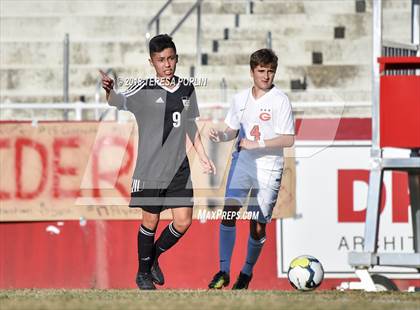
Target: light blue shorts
264,185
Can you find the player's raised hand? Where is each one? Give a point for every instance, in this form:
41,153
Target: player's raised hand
208,166
215,135
107,82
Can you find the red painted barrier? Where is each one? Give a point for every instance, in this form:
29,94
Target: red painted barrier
103,254
33,257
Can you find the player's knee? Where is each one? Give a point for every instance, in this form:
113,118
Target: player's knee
258,236
228,215
257,230
151,224
183,224
229,223
150,221
232,205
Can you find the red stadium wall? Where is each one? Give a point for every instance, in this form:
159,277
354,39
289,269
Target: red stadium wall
102,254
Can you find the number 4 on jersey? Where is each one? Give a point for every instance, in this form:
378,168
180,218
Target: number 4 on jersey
255,132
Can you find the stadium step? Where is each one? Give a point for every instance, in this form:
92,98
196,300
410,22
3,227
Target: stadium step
325,76
28,8
106,34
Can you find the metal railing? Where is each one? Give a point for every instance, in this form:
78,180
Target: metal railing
215,109
399,49
196,6
395,49
66,107
66,71
415,21
66,64
223,90
269,40
156,19
77,107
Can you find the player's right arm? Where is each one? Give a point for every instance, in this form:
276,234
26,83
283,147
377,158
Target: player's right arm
233,125
114,99
127,100
222,136
107,83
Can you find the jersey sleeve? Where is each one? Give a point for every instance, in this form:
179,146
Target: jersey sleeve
127,100
284,124
232,117
117,100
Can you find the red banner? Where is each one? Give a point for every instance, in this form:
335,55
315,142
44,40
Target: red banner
78,170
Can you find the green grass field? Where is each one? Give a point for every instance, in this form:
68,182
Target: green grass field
177,299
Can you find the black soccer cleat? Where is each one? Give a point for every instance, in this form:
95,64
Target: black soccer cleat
144,281
157,274
242,282
220,280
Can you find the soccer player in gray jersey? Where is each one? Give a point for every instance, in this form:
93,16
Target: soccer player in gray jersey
165,108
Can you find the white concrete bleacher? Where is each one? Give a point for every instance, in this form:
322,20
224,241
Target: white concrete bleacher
111,34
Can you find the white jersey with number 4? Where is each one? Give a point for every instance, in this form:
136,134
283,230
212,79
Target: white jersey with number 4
261,119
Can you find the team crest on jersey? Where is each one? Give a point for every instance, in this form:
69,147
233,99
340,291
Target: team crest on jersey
186,102
265,116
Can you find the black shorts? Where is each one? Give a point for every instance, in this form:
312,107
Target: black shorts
154,199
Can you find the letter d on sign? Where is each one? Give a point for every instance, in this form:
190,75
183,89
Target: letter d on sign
346,179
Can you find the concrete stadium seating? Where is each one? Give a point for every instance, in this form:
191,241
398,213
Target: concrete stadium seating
111,34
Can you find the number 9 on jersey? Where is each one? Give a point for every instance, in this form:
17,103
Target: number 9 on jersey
176,117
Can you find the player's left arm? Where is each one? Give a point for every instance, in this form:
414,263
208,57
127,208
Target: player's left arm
195,139
193,135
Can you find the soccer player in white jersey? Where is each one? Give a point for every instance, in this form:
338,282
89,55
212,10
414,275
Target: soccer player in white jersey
262,116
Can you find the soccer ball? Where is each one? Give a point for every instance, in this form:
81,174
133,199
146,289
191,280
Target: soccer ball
305,273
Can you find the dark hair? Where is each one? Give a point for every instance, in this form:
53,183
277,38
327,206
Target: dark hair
263,57
160,42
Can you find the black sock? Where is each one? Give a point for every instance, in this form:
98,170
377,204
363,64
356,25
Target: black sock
145,241
167,239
